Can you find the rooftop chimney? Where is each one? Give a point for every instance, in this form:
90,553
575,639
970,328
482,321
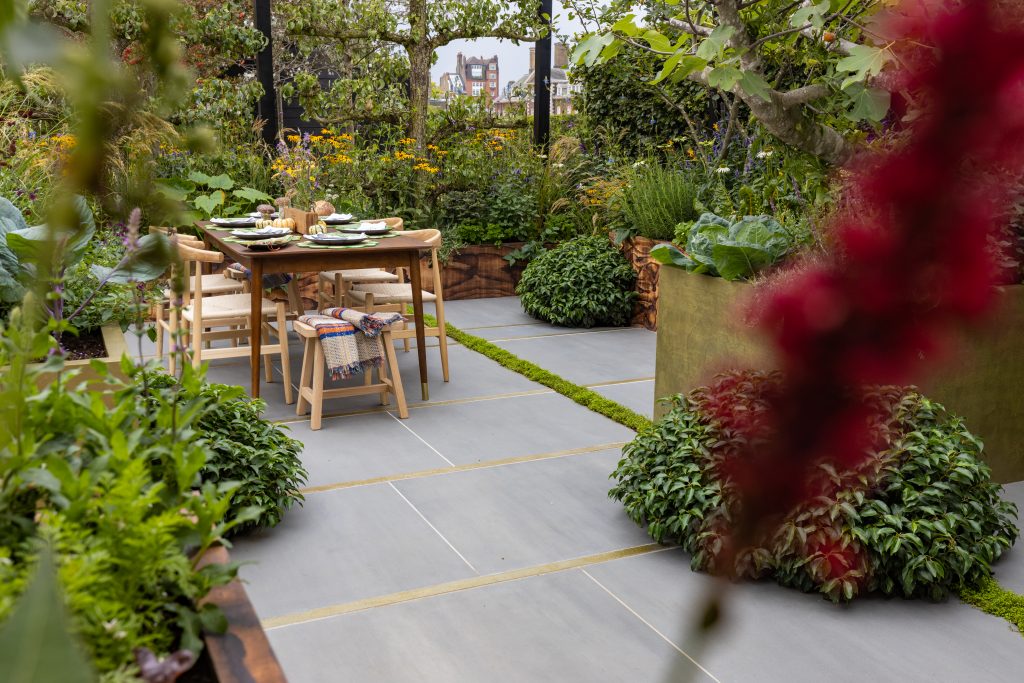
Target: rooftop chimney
533,58
561,56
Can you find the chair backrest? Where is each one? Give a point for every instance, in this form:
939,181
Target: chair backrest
183,238
432,238
395,223
193,255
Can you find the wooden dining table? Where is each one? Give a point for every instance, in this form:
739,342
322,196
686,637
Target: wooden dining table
393,252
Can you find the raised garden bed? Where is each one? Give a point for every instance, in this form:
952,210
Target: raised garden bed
242,654
114,347
477,271
700,333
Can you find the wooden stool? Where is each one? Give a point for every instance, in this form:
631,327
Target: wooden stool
311,379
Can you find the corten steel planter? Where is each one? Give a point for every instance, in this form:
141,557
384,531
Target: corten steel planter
700,333
637,251
243,653
477,271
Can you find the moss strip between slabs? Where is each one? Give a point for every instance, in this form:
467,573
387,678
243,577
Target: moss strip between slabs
993,599
989,596
587,398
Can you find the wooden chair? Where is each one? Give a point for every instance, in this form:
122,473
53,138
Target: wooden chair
213,283
201,314
343,279
391,296
311,379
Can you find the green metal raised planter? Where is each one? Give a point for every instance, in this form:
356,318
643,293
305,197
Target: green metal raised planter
700,332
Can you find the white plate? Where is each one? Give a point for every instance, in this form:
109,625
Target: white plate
257,214
336,218
262,233
337,238
243,220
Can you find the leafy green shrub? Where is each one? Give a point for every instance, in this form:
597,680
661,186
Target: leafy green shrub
918,516
581,283
243,448
78,472
655,199
733,251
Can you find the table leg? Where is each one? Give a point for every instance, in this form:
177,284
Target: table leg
417,307
256,322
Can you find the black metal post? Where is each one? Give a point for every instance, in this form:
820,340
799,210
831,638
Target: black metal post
542,81
266,108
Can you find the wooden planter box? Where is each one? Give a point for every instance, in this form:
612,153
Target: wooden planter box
242,654
303,219
478,271
637,251
700,333
113,339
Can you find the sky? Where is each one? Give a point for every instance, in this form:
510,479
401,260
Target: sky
513,60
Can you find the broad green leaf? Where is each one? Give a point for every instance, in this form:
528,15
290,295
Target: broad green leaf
31,243
670,255
588,50
199,178
36,645
177,189
713,45
868,103
11,213
658,41
627,25
146,264
220,182
754,84
252,195
724,77
679,66
811,14
864,61
209,202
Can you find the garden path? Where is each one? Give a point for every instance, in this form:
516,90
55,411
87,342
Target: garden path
475,542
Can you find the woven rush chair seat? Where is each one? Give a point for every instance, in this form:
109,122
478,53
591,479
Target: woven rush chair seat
214,284
229,306
387,293
200,315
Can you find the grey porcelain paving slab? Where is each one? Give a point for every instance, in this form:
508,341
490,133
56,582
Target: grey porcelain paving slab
638,396
535,329
472,313
624,353
472,376
527,514
774,634
558,627
342,546
510,427
339,451
1009,570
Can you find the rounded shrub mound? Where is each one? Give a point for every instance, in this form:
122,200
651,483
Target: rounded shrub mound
580,283
918,517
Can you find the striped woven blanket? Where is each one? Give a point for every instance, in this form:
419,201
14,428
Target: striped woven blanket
370,324
347,349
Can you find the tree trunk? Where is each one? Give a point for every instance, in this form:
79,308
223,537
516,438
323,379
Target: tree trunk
419,92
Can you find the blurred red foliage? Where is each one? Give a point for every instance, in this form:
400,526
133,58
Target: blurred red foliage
912,260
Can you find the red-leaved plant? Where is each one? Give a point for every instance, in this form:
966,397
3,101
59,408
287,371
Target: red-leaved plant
912,258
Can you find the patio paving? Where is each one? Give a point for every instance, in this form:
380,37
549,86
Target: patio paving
475,542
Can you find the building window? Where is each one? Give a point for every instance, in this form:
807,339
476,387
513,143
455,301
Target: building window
492,76
476,71
477,87
492,67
